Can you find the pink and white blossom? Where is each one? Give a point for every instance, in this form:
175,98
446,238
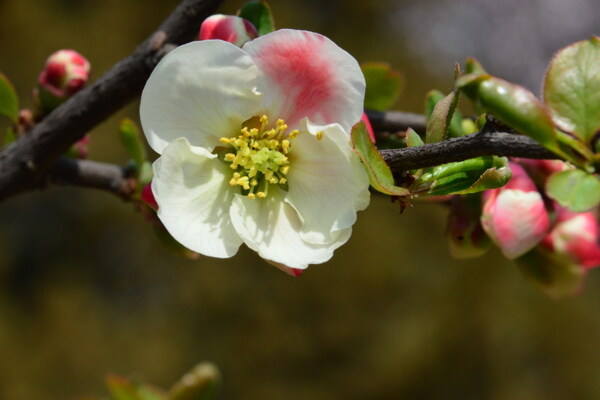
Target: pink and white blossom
282,105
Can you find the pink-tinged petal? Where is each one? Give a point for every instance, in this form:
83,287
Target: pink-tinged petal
304,74
229,28
365,119
515,220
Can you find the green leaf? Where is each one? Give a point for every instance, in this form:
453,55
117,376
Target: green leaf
380,175
512,104
9,101
260,15
464,177
384,85
572,88
413,139
431,100
201,383
133,141
575,189
439,122
472,66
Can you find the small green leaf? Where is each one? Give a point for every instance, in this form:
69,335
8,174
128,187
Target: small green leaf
472,66
260,15
464,177
572,88
431,99
492,178
201,383
575,189
9,101
512,104
380,175
438,124
413,139
384,85
133,141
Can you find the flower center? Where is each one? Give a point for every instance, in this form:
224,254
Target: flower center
259,156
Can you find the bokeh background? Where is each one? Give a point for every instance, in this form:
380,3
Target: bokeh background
86,289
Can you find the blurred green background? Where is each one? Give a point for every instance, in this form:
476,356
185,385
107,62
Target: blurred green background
86,289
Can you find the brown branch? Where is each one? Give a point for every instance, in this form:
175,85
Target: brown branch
394,121
93,174
23,164
458,149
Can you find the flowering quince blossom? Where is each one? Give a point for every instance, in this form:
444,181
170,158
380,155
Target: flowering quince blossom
515,216
255,146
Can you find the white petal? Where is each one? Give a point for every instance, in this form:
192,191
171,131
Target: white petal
327,184
270,227
191,187
201,91
304,74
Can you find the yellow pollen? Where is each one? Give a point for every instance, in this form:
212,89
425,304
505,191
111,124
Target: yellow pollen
319,135
259,155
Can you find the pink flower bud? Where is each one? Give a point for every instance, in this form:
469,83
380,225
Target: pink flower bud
229,28
365,119
515,216
65,73
148,197
467,238
576,236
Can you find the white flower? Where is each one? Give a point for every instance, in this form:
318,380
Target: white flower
255,147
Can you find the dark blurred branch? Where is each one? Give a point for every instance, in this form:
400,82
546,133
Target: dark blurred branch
394,121
485,143
92,174
24,163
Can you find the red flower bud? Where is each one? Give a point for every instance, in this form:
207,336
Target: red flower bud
229,28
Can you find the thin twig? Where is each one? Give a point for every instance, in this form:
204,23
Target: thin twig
93,174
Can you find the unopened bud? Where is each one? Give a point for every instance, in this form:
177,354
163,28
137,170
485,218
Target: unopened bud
515,215
230,28
575,236
65,73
